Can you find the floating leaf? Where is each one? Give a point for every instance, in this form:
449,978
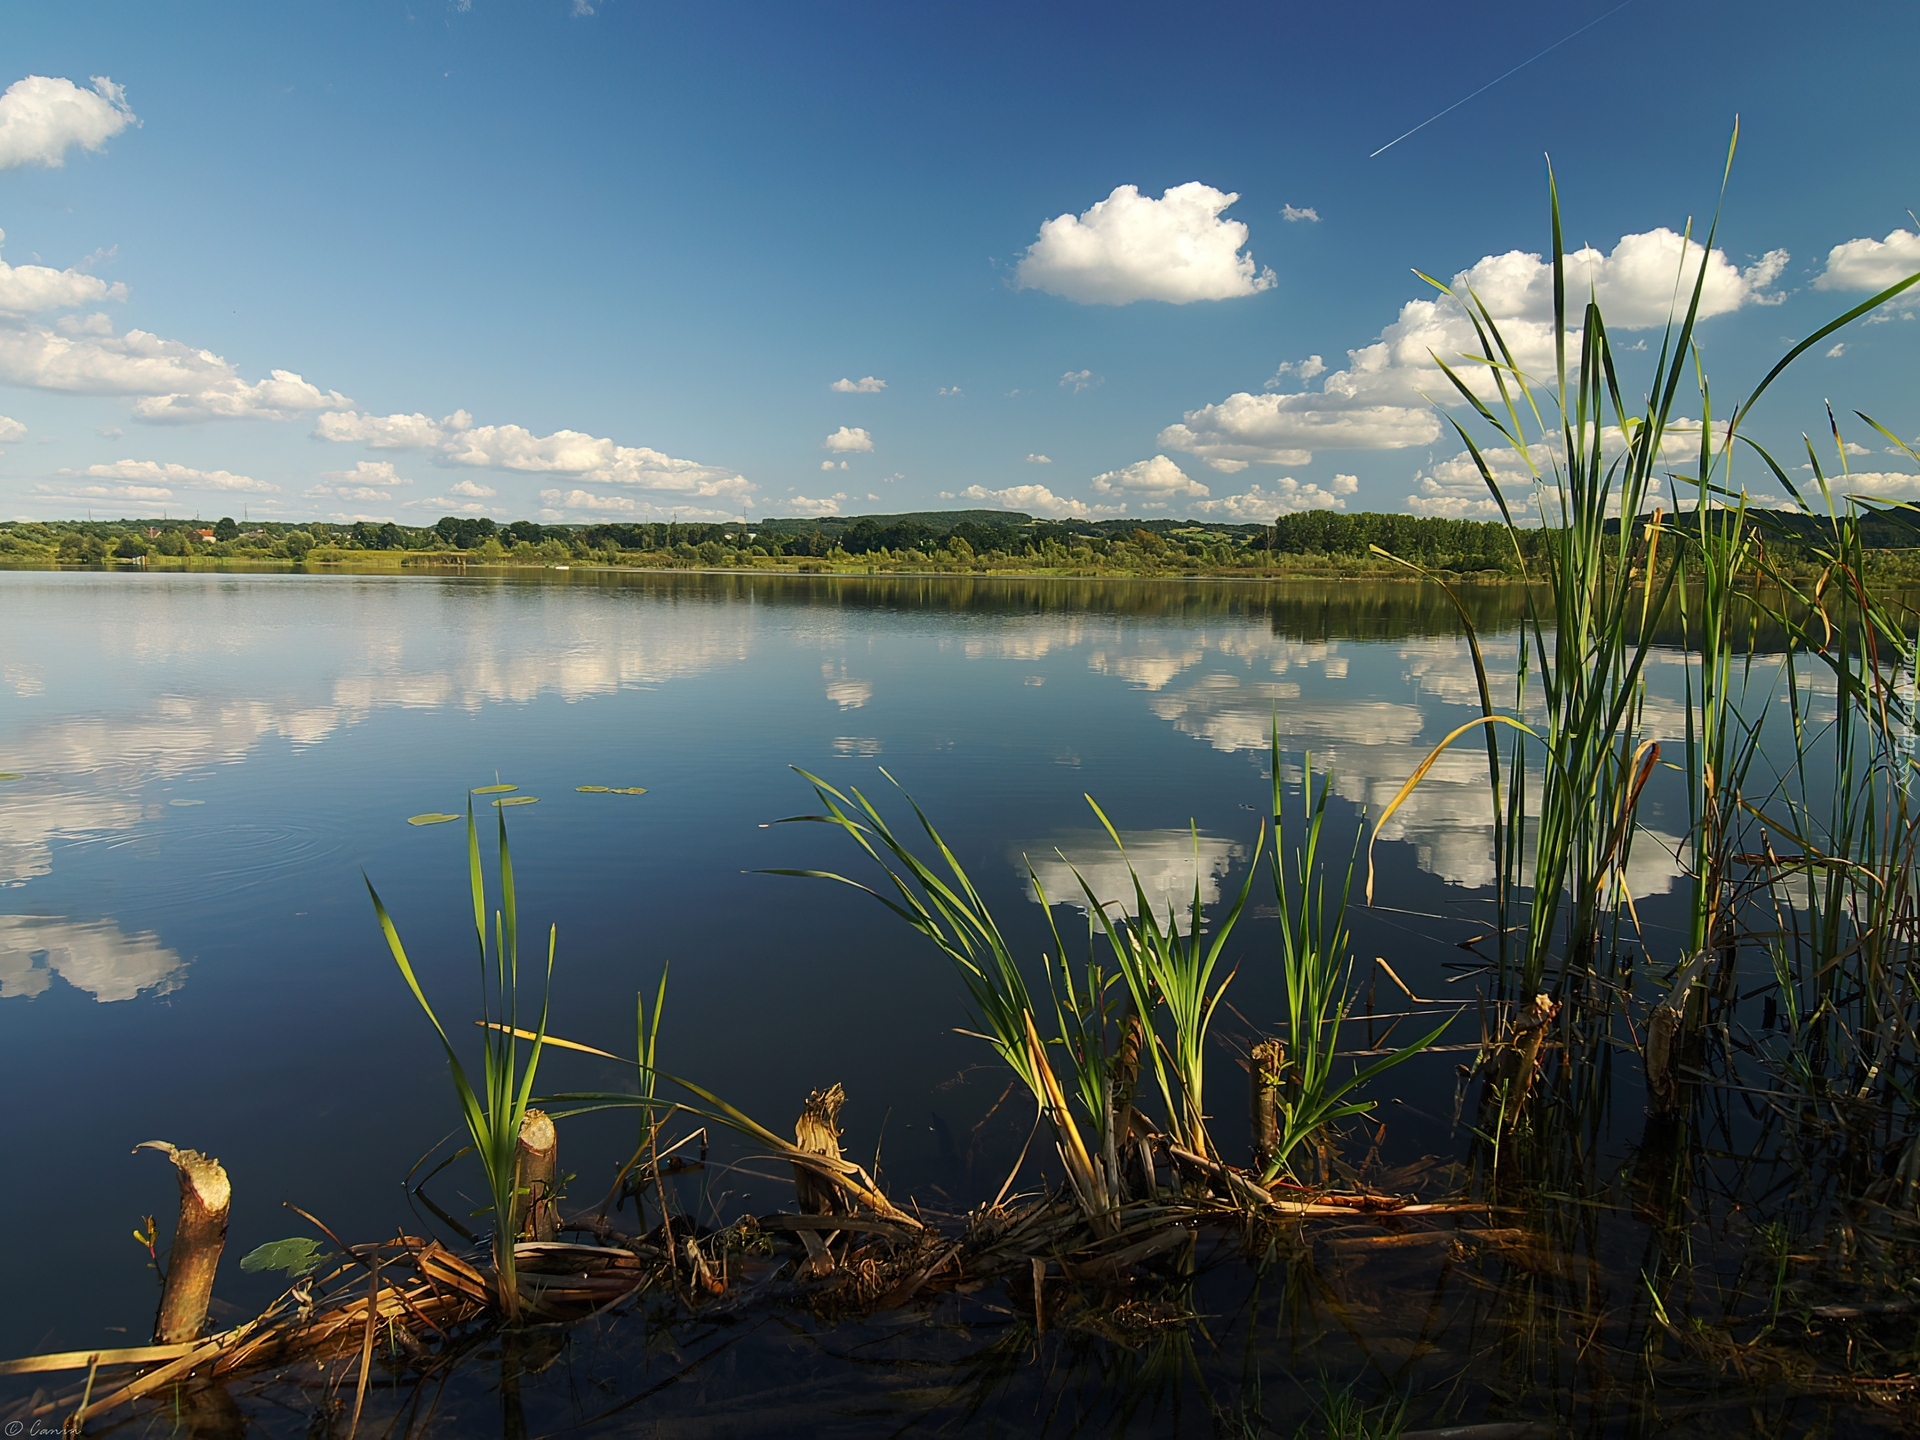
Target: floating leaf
186,802
296,1256
592,789
9,774
519,799
432,817
631,790
495,789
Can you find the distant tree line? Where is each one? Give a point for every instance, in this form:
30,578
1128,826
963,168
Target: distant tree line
973,539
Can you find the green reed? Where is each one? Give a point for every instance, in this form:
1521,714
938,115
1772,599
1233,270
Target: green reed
1316,959
944,905
1154,1009
1598,465
494,1112
1844,895
1170,974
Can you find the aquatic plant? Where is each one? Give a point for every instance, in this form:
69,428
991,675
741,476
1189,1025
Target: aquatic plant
1609,564
1155,1009
495,1112
1170,973
948,909
1316,958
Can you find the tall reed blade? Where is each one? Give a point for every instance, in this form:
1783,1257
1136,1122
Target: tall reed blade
493,1113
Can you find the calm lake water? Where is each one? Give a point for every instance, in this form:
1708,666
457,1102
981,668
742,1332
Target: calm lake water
208,763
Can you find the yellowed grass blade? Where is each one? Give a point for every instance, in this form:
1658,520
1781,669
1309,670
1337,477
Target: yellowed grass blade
1413,780
553,1040
1072,1148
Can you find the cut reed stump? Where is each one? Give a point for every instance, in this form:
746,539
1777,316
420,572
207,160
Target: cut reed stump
1269,1059
198,1238
537,1163
1667,1036
817,1132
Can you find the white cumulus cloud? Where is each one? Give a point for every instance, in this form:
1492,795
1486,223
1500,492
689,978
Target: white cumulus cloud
1299,212
866,385
1285,496
42,117
30,289
1380,401
1155,479
1454,487
1304,369
389,432
1878,485
10,429
72,493
154,473
378,473
456,440
847,439
1287,429
81,354
282,396
801,505
1131,247
1037,459
1871,264
1034,500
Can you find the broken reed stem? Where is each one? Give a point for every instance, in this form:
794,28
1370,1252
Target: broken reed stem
366,1349
537,1164
1511,1070
1667,1036
1267,1061
198,1238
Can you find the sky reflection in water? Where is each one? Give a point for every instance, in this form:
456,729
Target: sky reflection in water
207,971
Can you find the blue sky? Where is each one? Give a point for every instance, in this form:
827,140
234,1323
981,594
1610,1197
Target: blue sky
546,260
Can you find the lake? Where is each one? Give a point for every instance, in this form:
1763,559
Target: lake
208,764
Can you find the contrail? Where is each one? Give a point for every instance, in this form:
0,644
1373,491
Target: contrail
1498,78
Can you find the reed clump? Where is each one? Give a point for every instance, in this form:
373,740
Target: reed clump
1792,985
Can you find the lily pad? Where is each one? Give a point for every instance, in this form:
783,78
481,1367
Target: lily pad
432,817
630,790
494,789
186,802
594,789
296,1256
9,774
519,800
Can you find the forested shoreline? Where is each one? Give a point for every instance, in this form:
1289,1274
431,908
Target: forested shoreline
1318,542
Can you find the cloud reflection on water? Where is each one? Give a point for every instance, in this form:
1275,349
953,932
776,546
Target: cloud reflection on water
1166,861
1210,686
95,956
83,772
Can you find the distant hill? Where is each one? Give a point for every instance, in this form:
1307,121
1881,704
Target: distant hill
940,520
